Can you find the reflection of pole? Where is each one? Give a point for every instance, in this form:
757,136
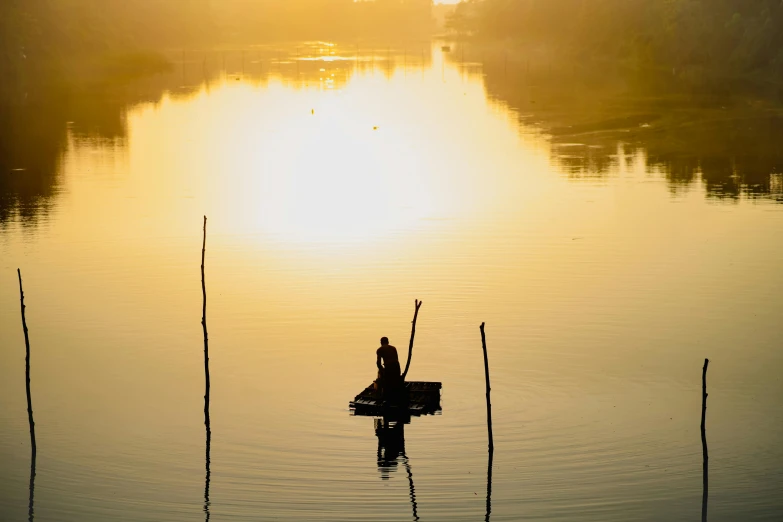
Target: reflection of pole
410,485
391,446
705,458
489,484
206,373
407,463
410,344
30,510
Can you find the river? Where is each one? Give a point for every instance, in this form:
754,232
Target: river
340,183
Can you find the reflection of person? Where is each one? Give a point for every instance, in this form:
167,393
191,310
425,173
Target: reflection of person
391,449
389,377
391,445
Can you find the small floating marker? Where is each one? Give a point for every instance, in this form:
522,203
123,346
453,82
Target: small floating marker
312,111
375,128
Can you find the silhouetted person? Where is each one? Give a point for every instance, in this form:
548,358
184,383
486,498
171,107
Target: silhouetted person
389,377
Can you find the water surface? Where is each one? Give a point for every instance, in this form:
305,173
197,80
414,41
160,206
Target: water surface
341,183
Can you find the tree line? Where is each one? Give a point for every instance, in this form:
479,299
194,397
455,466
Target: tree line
689,37
44,40
42,37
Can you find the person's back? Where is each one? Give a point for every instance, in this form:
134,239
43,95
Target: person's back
388,366
388,354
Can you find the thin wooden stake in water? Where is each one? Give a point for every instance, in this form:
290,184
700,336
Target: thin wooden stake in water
410,344
486,375
33,447
705,457
27,367
206,371
491,451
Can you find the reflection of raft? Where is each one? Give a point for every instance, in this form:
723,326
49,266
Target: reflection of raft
420,398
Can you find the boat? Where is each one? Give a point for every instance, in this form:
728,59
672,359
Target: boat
419,398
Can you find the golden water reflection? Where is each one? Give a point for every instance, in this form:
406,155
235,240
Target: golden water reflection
368,156
729,152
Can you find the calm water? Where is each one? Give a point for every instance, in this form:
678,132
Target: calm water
340,185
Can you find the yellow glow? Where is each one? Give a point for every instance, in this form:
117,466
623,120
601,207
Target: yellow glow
333,163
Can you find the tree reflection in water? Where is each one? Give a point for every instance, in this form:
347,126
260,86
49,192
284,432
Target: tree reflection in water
602,120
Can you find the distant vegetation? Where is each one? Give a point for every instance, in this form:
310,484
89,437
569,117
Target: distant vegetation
252,21
60,41
56,39
696,86
695,40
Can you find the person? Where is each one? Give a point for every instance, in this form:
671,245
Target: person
389,376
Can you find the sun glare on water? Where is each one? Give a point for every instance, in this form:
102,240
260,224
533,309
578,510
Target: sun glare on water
329,175
338,160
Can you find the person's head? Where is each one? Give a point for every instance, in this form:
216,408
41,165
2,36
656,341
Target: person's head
384,341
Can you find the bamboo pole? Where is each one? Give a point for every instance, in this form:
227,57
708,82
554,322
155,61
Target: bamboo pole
27,367
33,447
491,449
486,375
410,344
206,373
705,457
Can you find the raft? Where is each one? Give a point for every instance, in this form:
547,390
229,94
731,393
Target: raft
420,398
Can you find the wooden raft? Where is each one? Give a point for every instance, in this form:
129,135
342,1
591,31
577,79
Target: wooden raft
423,398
